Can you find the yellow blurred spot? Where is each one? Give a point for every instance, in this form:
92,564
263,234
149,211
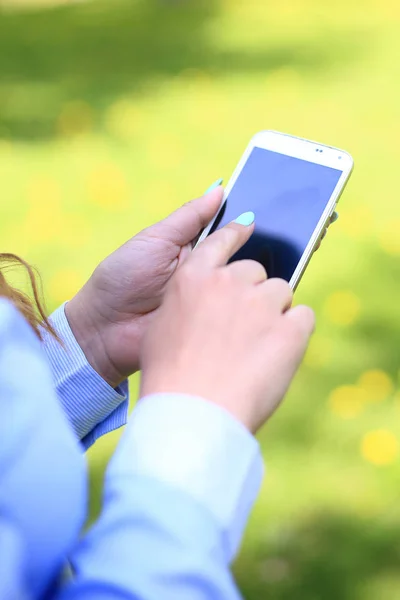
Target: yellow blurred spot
64,284
377,384
75,118
123,119
357,222
319,352
347,401
44,219
342,307
390,238
380,447
108,188
43,191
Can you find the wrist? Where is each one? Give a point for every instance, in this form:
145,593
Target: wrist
90,335
222,396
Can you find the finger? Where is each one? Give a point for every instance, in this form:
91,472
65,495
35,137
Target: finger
303,319
183,225
291,338
248,271
318,246
299,323
332,220
278,294
220,246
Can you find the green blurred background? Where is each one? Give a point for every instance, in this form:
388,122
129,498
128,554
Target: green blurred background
114,113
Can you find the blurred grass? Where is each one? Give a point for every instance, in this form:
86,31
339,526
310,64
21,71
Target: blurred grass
114,113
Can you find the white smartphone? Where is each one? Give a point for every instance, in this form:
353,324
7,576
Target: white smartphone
292,186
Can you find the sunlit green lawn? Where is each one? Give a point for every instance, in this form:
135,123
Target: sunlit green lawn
112,114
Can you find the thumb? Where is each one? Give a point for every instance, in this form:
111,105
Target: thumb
183,225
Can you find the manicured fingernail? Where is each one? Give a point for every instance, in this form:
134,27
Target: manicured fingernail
214,185
246,219
334,217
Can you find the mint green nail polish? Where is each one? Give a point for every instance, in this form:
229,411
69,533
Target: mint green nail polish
214,185
246,219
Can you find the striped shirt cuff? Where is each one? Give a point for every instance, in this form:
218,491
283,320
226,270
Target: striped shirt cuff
92,406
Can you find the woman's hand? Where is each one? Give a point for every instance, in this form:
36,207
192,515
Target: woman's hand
111,312
225,333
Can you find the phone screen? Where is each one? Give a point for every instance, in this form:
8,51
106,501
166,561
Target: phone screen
288,196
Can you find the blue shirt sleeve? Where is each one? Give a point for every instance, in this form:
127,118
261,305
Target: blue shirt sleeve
178,492
92,406
12,581
43,484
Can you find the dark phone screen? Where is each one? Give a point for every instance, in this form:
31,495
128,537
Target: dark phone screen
288,196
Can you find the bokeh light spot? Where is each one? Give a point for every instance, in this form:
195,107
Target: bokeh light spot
342,307
348,401
380,447
43,191
377,384
44,220
356,222
108,188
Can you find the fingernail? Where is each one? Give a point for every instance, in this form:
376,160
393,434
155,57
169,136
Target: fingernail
214,185
334,217
246,219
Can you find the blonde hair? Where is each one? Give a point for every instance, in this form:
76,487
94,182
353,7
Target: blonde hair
33,311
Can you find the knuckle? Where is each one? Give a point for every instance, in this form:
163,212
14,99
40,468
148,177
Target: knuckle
307,316
281,288
227,235
187,273
302,323
255,268
222,277
261,271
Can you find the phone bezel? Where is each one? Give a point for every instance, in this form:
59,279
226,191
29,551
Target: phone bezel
305,150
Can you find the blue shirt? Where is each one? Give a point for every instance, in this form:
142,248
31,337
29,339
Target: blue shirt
177,491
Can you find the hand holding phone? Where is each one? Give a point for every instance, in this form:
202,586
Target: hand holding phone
225,333
292,185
